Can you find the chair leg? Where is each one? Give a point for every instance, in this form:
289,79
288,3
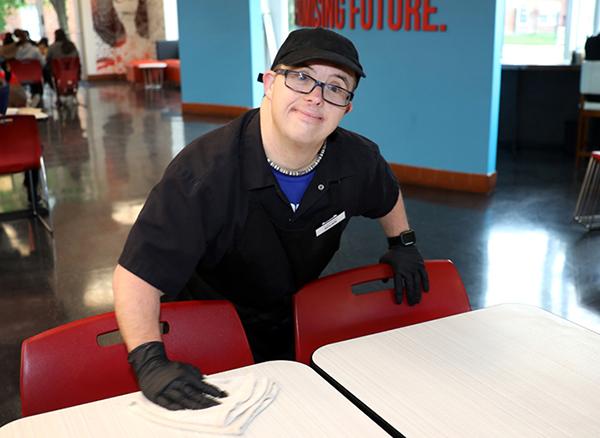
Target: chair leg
31,190
44,180
587,210
581,207
45,224
34,207
55,90
593,221
580,131
584,137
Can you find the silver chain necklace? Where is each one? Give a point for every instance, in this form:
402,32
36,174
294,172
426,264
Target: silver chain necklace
303,171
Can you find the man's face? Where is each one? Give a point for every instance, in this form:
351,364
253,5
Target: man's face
306,118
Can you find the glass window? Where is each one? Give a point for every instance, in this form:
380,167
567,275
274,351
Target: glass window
546,31
171,23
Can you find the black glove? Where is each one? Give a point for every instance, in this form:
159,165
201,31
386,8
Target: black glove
173,385
409,272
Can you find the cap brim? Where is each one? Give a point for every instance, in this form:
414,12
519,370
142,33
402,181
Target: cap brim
312,54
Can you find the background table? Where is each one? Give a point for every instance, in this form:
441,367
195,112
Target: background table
503,371
306,406
27,111
153,74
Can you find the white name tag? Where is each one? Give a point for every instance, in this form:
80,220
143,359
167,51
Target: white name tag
336,219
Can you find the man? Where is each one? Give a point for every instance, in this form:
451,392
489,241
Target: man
256,210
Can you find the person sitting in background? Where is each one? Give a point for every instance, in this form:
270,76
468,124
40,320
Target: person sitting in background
62,47
27,50
9,47
42,46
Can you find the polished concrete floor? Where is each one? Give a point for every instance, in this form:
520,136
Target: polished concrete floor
517,245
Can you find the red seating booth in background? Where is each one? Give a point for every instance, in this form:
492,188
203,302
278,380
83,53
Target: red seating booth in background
173,71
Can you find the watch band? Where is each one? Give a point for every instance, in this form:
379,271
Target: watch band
405,238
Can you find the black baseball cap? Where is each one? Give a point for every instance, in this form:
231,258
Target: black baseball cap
311,44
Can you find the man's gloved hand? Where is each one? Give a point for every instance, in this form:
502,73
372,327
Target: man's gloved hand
409,272
172,385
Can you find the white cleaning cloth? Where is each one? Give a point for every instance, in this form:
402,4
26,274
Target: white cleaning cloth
248,396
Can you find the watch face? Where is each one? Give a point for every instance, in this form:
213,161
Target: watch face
408,238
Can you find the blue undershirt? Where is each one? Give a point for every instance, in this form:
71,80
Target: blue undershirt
293,186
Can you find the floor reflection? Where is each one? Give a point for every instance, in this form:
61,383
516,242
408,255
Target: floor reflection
20,246
516,264
97,292
126,213
529,266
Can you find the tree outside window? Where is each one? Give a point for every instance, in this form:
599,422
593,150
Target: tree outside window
6,8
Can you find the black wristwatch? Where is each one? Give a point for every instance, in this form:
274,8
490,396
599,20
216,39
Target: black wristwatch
406,238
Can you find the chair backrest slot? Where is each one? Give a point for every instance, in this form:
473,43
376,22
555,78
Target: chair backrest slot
371,286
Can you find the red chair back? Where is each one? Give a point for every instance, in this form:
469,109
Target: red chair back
66,74
20,148
66,366
27,70
327,310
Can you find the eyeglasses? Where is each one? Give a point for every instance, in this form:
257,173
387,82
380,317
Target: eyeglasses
302,83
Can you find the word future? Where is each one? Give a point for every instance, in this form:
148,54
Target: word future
408,15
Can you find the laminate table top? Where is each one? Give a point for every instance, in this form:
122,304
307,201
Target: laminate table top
305,406
504,371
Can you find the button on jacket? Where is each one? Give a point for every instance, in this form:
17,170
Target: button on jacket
219,211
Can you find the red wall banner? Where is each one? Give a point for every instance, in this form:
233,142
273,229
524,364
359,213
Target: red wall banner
396,15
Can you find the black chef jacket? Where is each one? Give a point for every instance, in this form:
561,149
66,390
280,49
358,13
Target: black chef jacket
219,213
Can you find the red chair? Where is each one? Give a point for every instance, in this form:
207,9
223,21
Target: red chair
66,366
65,74
327,311
29,71
21,151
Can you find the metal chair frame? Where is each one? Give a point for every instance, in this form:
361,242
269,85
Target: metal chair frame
587,210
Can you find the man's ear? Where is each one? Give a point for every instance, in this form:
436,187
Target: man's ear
268,80
348,108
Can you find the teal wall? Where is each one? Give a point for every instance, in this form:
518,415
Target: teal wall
221,51
430,99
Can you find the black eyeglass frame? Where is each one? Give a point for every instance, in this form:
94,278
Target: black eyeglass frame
318,83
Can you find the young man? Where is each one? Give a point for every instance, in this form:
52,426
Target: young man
256,210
